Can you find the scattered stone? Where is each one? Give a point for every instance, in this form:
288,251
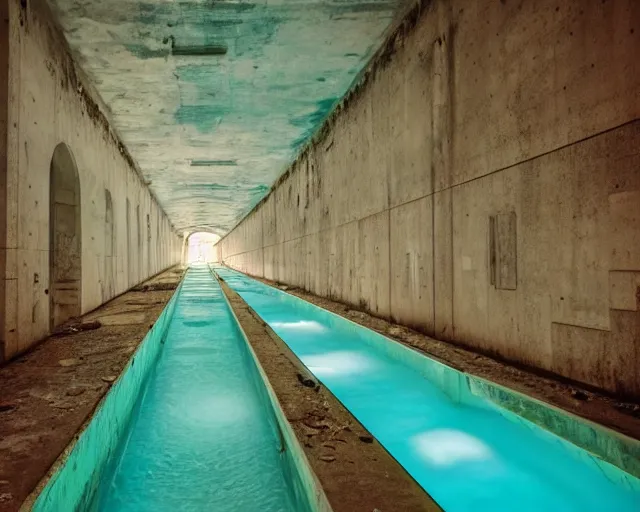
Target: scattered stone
306,381
69,362
284,287
579,395
76,327
631,409
65,406
5,497
357,314
75,391
395,330
329,445
366,439
109,378
4,407
317,425
327,458
155,287
90,326
4,482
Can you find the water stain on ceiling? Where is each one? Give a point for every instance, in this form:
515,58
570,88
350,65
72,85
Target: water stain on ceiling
214,98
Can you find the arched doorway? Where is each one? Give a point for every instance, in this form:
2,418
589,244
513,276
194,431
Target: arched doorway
109,272
65,248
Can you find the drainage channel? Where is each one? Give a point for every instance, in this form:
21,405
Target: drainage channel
201,439
204,434
446,428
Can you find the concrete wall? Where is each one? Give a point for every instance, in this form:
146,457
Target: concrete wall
480,184
50,103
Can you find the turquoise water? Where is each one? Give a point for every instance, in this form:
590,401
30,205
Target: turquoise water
202,439
466,455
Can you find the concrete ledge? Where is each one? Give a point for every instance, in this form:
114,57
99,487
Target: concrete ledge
75,476
305,485
50,393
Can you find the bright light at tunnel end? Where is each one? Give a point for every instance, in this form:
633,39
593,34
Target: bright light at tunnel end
201,247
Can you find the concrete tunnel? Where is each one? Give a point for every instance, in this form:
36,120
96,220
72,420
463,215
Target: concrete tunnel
458,176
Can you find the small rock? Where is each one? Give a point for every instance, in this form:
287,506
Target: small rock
579,395
75,327
631,409
306,381
284,288
4,407
69,362
4,482
366,439
5,496
109,378
317,425
394,330
75,390
327,458
329,445
90,326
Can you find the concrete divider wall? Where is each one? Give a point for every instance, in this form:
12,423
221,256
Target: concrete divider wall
49,102
480,184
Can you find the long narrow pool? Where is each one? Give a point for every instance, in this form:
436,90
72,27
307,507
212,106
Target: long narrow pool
201,438
466,452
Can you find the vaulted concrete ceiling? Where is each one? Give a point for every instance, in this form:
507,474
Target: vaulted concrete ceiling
214,98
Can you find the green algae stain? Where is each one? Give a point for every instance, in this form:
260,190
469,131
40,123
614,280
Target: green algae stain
205,118
318,115
212,102
312,121
259,190
143,52
300,141
196,73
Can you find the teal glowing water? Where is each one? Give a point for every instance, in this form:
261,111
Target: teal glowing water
465,455
202,439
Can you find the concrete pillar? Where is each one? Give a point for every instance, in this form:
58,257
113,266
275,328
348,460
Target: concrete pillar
4,114
443,76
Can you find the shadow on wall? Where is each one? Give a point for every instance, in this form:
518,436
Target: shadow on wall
65,265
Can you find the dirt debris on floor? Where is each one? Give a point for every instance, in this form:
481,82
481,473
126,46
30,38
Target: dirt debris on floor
49,392
355,471
616,414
